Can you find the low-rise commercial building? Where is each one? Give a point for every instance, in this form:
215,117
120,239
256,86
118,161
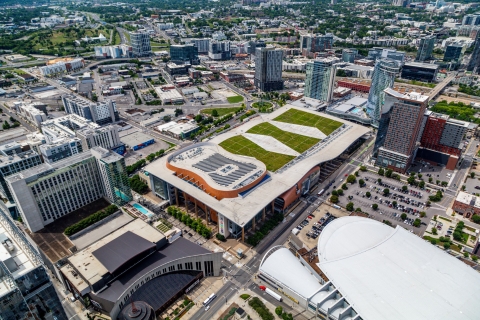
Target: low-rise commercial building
169,96
180,129
426,72
62,66
32,114
466,204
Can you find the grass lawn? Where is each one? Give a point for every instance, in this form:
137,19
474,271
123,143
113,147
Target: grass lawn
295,141
470,229
241,145
465,237
235,99
303,118
116,39
443,218
221,111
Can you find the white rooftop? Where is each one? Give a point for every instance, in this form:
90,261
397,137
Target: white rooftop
387,273
469,199
243,209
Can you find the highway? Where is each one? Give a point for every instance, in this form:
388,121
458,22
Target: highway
439,87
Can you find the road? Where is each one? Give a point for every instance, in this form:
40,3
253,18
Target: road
441,86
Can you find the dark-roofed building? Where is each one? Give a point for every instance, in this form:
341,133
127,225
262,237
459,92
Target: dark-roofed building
137,263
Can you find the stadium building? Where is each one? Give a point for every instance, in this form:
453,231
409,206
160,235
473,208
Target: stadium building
258,168
368,270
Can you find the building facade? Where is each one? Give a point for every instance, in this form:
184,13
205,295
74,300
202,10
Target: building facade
426,72
383,78
268,69
99,112
320,79
27,290
140,41
185,53
454,53
349,55
404,129
425,48
201,44
474,62
50,191
60,149
311,43
219,50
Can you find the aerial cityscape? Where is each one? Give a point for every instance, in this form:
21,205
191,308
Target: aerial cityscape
239,159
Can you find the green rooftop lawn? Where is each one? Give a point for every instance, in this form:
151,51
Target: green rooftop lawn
303,118
295,141
241,145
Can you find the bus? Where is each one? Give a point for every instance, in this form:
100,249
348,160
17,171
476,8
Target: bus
209,299
320,192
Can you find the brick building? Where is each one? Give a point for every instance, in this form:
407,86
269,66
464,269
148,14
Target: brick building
357,85
466,204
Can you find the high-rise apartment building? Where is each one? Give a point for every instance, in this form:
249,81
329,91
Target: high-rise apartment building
26,289
454,53
403,130
383,77
320,79
268,69
114,176
253,45
60,149
99,112
474,63
443,134
311,43
425,48
471,19
219,50
185,53
140,41
201,44
349,55
50,191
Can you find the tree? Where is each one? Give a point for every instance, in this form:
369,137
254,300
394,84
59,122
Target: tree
403,216
357,173
433,241
421,184
430,179
381,171
214,113
363,168
150,157
428,203
339,192
446,245
394,203
417,223
334,199
349,206
379,180
198,118
422,214
434,231
351,179
167,118
465,254
334,193
6,125
474,258
344,186
374,206
388,173
420,176
178,112
404,188
476,218
361,182
386,191
457,235
411,180
279,310
472,175
368,194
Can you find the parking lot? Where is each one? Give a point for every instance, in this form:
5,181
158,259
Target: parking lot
437,173
391,205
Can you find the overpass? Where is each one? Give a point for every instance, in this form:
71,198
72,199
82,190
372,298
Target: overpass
439,87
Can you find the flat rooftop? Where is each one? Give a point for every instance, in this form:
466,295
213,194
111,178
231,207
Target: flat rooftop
273,145
135,139
422,65
469,199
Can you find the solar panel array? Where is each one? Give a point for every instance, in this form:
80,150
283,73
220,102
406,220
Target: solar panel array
216,161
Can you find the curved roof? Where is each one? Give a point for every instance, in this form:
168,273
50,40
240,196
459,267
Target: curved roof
291,273
220,169
388,273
